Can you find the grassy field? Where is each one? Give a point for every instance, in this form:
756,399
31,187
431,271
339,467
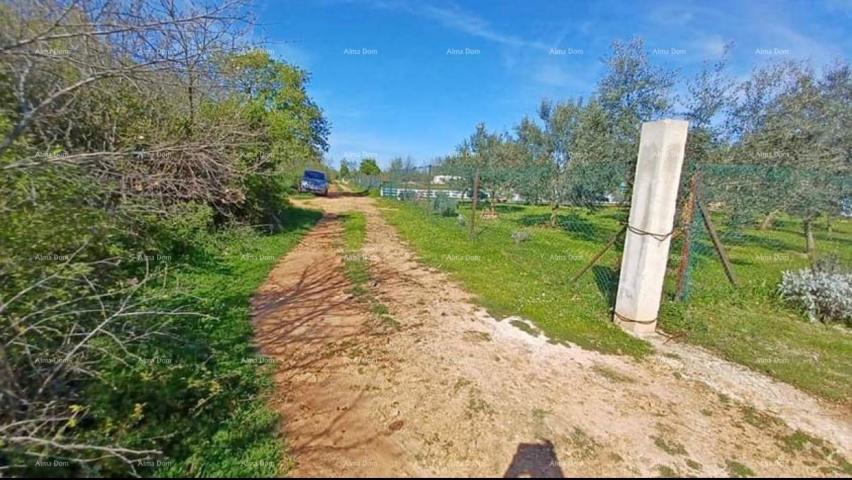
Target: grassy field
749,324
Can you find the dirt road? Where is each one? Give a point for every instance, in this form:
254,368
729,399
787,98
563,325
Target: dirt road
453,391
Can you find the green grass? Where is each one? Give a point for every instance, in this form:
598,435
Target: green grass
749,324
800,443
232,431
527,279
357,268
738,470
354,231
671,447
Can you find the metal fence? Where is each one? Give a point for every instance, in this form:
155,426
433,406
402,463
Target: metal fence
736,230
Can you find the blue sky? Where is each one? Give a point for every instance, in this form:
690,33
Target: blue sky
400,78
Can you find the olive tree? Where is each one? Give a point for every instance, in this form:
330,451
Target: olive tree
788,128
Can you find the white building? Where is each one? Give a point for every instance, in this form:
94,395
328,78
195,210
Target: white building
444,179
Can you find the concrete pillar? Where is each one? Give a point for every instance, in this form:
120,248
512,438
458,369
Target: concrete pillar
652,210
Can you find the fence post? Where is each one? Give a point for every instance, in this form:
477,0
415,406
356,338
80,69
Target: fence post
649,229
687,222
429,183
474,203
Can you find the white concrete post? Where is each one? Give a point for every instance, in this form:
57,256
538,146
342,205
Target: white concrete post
652,211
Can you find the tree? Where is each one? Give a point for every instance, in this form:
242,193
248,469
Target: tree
345,170
593,173
632,91
369,167
396,167
786,131
289,130
533,177
560,128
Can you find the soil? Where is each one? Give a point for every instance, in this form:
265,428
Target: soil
453,391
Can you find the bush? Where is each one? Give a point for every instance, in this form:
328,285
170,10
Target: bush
521,236
824,292
445,206
266,199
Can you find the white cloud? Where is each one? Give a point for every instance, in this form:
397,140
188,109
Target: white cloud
455,18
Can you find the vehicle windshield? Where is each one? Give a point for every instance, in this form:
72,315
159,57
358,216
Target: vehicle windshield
314,175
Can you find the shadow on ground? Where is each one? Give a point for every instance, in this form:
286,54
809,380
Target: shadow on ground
534,460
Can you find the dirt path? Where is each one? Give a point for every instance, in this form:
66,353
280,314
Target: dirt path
453,391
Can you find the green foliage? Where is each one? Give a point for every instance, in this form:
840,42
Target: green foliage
136,218
294,131
633,90
345,169
198,374
369,167
445,206
786,124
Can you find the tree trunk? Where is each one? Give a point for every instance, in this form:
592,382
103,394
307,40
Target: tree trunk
553,214
810,243
474,202
766,224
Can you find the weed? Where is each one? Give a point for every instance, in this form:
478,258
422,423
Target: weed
738,470
759,419
671,447
478,406
583,445
666,472
611,374
357,268
525,327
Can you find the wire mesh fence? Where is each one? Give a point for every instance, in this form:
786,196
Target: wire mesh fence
737,229
743,225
